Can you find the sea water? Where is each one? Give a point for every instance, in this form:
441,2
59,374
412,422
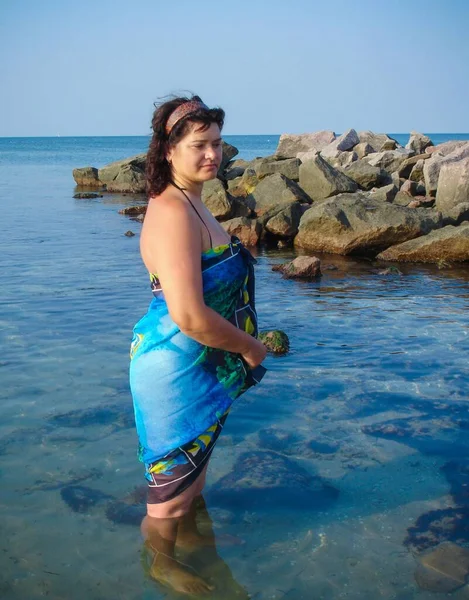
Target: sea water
362,425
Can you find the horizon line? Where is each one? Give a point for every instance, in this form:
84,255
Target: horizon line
225,135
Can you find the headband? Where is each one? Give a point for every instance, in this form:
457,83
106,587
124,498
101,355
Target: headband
183,110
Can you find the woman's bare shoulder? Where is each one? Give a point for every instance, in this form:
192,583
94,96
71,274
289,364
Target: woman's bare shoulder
167,204
169,229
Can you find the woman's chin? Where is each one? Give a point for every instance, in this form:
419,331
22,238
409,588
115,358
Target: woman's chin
208,175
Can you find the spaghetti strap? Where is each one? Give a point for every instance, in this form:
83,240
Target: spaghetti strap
187,197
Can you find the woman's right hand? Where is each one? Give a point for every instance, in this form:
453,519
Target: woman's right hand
256,353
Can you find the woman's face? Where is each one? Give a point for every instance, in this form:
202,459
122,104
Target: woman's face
198,155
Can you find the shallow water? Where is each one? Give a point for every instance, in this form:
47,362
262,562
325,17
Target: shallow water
365,420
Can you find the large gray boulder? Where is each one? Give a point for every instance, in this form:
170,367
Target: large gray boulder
244,185
378,141
87,177
344,142
216,199
407,166
275,190
418,142
285,222
229,152
389,160
432,167
126,175
387,193
416,173
446,147
343,159
320,180
457,215
130,179
353,223
289,167
289,145
239,208
363,149
247,230
453,185
447,244
365,175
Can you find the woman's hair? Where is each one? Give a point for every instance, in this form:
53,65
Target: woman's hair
158,171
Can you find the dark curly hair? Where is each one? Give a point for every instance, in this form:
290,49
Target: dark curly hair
158,171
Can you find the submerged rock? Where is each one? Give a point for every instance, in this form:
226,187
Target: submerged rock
437,526
117,416
457,474
81,498
268,480
443,569
86,196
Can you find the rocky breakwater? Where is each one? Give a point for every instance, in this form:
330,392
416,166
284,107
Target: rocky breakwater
358,193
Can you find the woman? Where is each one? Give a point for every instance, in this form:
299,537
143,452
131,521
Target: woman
195,351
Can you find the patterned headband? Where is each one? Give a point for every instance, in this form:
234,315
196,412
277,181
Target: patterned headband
182,111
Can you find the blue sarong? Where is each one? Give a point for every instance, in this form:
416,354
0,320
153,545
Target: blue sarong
181,387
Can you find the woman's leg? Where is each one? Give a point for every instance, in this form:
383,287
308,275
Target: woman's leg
160,529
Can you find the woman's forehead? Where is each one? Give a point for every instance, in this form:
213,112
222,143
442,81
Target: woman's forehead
199,132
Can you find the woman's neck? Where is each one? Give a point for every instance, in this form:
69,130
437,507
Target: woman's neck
192,187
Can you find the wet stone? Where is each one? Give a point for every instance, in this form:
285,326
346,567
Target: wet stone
268,480
87,196
432,434
278,440
81,498
436,526
457,474
122,513
443,569
276,341
120,417
321,447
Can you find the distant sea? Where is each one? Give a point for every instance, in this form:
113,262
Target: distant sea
370,402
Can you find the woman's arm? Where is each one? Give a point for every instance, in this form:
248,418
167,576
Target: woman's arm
171,246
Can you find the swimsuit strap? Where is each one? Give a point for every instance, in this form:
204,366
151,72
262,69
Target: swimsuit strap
206,227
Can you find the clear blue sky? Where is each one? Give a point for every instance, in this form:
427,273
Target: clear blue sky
95,67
